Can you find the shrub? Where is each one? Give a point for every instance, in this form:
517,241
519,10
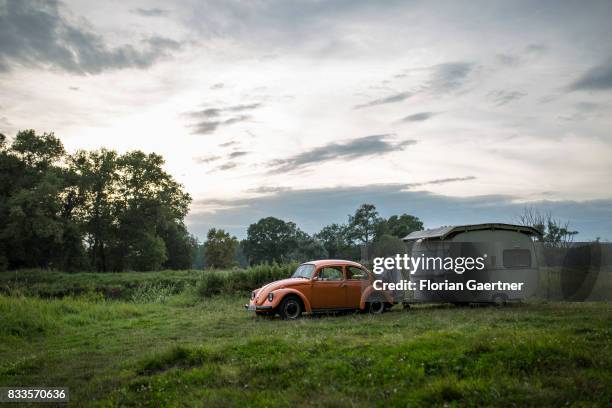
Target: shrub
213,282
152,292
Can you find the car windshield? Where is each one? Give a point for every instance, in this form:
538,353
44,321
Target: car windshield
303,271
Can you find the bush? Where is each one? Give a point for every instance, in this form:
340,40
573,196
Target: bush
215,282
152,292
210,284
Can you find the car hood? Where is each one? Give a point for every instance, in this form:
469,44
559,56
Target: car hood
279,284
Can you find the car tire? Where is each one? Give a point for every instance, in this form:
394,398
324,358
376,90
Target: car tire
376,307
290,308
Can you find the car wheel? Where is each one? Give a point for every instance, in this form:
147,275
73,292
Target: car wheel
290,308
376,307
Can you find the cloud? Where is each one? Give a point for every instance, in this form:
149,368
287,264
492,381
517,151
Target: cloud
418,117
150,12
218,85
439,181
206,159
598,78
529,52
210,126
314,208
361,147
389,99
536,49
450,76
236,154
508,59
228,144
214,112
35,34
501,97
269,189
213,118
444,78
227,166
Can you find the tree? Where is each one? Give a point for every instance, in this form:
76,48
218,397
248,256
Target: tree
307,248
334,239
270,240
400,226
362,225
95,209
220,248
31,184
97,189
181,247
553,232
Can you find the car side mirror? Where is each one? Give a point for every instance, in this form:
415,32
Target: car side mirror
314,278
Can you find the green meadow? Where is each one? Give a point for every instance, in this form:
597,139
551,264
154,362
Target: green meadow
172,341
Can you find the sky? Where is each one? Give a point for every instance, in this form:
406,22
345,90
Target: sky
454,111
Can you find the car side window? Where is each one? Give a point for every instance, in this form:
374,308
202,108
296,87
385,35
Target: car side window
330,273
354,273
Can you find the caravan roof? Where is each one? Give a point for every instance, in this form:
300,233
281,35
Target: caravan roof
448,231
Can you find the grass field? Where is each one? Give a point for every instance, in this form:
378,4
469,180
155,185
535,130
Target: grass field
185,350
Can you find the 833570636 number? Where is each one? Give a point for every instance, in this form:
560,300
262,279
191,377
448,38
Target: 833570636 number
34,394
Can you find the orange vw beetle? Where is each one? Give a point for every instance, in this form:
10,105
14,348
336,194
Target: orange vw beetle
320,286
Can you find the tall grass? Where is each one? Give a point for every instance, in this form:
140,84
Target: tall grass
241,280
140,287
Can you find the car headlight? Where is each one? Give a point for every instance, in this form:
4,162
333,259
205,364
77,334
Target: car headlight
270,296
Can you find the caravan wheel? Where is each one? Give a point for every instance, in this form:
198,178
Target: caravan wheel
500,299
376,307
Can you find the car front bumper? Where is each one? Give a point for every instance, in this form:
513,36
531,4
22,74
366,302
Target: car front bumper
252,308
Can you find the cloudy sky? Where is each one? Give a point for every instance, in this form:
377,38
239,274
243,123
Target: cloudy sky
454,111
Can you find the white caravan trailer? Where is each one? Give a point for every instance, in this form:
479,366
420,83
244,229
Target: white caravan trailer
509,257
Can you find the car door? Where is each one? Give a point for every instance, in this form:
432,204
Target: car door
356,282
329,288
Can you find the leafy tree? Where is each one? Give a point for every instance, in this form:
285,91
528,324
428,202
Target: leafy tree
31,228
400,226
220,248
181,247
270,240
97,189
334,238
307,248
148,253
387,246
37,150
95,209
362,225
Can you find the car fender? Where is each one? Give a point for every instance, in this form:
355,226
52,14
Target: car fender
368,291
280,294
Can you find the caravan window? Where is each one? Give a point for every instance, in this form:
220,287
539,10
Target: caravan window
517,258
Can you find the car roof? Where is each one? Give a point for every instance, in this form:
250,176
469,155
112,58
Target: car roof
323,262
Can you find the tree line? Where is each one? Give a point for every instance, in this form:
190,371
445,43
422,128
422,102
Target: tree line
91,210
274,240
104,211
